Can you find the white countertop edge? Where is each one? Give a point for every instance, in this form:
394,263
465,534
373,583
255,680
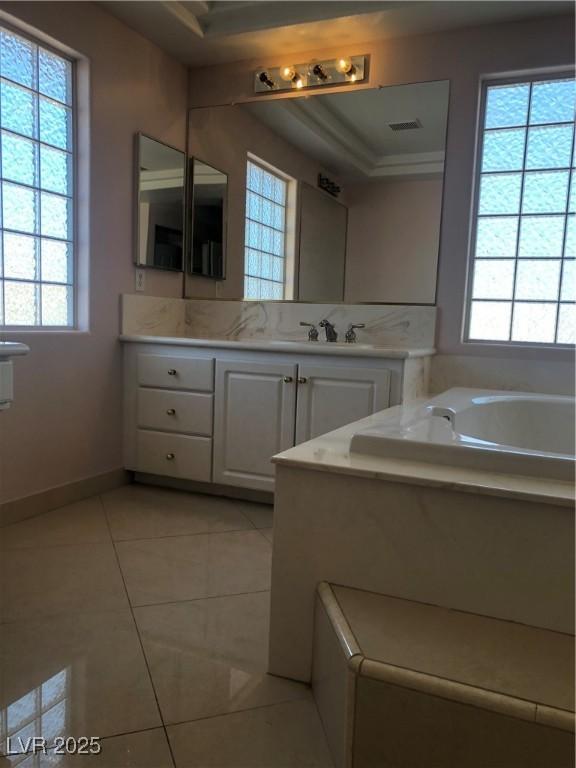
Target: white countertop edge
12,349
304,347
415,473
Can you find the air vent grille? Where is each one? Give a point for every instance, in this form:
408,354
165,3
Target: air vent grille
406,125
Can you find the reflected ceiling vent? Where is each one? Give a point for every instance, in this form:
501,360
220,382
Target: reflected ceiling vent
406,125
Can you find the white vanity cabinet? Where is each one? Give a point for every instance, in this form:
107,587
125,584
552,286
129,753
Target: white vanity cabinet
265,408
253,421
219,414
169,413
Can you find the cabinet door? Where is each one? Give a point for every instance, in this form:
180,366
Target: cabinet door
254,419
330,396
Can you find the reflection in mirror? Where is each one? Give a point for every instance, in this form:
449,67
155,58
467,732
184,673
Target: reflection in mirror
362,177
160,212
207,219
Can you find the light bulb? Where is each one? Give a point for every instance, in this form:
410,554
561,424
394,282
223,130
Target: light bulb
297,81
344,65
287,73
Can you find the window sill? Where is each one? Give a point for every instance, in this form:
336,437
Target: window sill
512,350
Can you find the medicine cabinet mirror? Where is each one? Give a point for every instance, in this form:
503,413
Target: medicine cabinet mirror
160,188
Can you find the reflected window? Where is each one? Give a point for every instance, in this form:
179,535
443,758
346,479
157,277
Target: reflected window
36,121
265,238
43,711
523,282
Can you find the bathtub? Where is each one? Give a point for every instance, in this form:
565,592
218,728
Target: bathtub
515,433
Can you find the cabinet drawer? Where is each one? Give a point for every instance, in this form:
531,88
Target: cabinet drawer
175,411
175,372
174,455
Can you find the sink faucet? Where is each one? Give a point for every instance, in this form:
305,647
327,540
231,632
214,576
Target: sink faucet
313,332
331,334
350,334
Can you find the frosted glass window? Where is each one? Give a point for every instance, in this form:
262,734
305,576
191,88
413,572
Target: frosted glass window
522,287
494,279
36,179
265,231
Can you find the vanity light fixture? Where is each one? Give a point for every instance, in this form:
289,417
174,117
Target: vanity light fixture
328,185
265,80
312,74
290,75
319,72
346,67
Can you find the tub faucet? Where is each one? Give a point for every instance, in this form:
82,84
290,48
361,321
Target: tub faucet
331,333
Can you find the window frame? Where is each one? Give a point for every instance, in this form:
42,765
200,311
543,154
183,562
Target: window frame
75,325
485,83
285,179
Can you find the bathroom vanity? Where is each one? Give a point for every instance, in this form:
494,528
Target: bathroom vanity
216,410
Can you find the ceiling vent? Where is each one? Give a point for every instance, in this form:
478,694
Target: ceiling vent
406,125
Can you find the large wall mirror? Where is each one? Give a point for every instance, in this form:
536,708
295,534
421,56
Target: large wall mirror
332,197
160,186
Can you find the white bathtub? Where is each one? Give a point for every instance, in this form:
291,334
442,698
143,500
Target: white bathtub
510,432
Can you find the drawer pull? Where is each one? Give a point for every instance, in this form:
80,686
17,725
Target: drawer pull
170,456
302,379
288,379
172,372
171,412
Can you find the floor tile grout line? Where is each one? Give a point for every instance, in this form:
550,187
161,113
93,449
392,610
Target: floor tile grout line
261,532
247,709
140,642
200,599
43,547
118,735
181,535
59,615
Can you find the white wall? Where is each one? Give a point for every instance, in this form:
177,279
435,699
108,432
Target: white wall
66,422
393,241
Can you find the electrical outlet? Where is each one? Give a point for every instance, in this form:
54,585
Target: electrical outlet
140,280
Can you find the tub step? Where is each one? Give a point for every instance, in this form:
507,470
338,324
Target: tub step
406,684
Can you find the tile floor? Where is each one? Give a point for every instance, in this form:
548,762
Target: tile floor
141,616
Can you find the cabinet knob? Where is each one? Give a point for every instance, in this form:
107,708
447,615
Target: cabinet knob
170,456
302,379
172,372
288,379
171,412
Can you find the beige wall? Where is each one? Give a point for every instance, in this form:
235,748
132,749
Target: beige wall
393,240
66,423
223,137
461,56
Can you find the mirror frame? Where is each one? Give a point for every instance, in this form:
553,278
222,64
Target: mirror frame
189,216
136,208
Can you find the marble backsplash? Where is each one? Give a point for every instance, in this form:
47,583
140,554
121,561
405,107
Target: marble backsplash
387,325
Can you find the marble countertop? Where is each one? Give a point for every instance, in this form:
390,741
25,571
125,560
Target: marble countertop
331,453
287,346
12,349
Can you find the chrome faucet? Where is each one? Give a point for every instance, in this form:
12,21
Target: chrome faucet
313,332
350,334
331,333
